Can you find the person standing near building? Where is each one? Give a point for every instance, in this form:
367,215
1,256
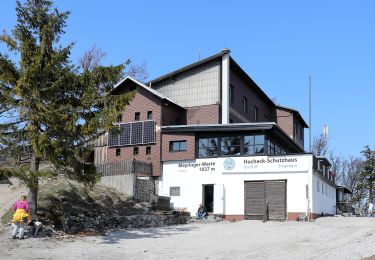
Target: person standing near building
21,217
369,208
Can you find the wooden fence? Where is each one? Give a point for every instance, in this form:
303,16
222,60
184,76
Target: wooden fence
124,167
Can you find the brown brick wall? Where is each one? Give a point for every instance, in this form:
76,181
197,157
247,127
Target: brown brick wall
189,154
209,114
142,102
173,114
285,121
242,89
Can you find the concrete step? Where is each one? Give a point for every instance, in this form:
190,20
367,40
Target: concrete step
209,218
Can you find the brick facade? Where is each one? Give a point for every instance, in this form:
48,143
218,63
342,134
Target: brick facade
209,114
189,154
143,102
242,89
285,121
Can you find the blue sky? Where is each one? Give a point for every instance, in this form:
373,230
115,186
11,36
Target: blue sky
278,43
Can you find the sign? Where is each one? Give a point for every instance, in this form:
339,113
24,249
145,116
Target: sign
253,164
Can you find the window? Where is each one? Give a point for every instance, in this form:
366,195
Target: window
137,116
265,118
231,94
149,115
174,191
208,147
244,104
118,151
119,118
253,144
148,150
255,113
135,151
301,133
177,146
230,145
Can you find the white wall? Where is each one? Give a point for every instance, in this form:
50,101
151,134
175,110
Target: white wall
323,200
191,175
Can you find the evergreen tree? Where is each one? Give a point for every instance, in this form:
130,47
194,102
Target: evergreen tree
50,108
365,181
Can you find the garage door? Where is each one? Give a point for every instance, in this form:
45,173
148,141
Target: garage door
256,195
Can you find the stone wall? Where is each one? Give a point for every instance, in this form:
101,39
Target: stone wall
144,189
89,223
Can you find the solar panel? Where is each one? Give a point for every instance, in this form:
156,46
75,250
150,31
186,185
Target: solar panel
113,137
136,133
125,134
132,134
148,132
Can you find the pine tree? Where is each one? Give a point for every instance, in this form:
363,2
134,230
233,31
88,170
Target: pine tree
364,186
50,108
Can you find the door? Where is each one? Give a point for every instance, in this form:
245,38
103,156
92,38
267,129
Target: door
254,200
276,197
219,199
258,193
208,197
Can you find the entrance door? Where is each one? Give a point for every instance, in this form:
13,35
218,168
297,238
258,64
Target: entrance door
219,199
254,200
208,197
276,197
257,193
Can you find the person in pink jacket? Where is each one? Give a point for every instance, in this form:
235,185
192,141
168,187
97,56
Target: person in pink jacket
20,217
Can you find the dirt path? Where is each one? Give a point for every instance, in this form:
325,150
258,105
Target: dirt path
9,193
327,238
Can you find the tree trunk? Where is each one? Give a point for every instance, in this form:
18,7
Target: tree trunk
34,184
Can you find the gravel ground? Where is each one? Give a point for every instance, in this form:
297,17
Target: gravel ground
327,238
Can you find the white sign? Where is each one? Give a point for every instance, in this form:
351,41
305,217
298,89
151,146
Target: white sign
254,164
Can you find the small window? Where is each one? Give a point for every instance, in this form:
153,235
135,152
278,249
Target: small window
148,149
137,116
118,151
119,118
176,146
244,104
174,191
149,115
230,93
135,151
265,118
255,113
301,133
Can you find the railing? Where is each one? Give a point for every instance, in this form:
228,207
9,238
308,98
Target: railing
124,167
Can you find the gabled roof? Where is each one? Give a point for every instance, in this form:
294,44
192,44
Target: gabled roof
140,84
322,158
294,111
233,64
190,66
344,189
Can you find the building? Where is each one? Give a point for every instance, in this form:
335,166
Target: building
214,137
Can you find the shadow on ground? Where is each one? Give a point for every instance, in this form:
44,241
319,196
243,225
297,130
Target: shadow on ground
160,232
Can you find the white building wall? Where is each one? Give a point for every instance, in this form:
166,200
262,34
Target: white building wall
191,175
324,196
